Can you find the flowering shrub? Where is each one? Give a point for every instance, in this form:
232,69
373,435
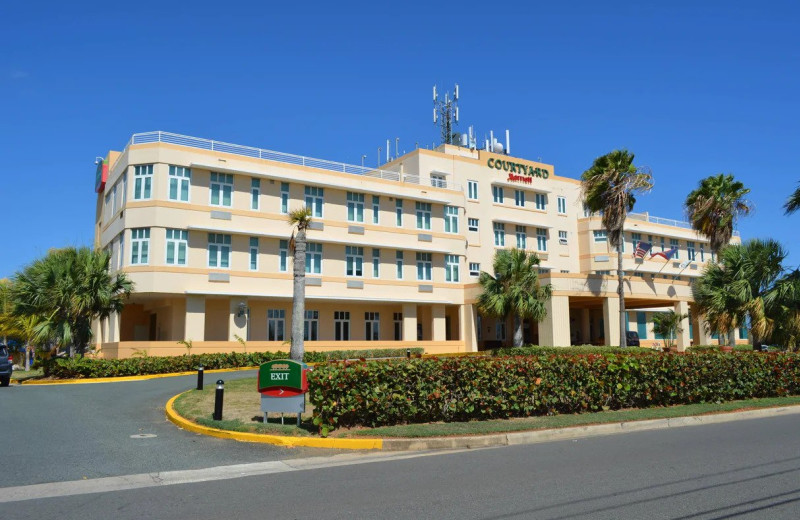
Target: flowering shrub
461,389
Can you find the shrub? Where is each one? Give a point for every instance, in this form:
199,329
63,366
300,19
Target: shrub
462,389
78,368
531,350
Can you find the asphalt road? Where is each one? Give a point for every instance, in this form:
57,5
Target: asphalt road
53,433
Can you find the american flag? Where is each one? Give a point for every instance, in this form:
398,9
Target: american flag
641,249
666,255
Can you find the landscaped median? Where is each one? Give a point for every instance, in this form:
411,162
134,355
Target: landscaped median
392,403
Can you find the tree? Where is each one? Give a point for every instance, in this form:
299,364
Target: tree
299,219
782,306
65,291
715,206
514,289
793,203
668,324
610,187
739,289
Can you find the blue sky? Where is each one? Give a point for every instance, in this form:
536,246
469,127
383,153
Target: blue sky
692,88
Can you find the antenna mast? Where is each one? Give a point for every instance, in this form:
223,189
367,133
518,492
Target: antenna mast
445,114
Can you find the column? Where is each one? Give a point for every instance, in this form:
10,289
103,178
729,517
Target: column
195,323
237,324
439,323
703,335
611,321
409,322
466,325
114,323
554,329
586,326
684,340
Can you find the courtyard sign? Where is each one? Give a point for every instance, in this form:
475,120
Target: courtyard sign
518,172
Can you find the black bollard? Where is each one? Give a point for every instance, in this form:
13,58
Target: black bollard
218,400
200,377
408,353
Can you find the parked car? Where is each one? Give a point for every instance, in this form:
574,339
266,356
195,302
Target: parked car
632,338
6,366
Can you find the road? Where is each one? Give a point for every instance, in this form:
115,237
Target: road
743,469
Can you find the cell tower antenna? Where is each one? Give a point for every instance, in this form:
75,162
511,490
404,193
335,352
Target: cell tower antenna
445,114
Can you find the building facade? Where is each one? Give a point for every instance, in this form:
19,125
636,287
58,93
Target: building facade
393,258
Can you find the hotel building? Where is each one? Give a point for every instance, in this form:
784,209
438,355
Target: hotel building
393,258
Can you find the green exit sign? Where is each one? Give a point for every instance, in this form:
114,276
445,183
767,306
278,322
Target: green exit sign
282,378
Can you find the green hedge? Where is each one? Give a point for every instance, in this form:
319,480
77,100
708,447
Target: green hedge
78,368
531,350
462,389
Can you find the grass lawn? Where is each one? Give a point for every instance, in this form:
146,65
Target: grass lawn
20,375
242,412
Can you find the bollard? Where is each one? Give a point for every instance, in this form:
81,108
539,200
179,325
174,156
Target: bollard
408,353
200,377
218,400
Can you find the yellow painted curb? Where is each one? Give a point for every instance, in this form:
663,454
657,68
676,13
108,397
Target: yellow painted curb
127,378
279,440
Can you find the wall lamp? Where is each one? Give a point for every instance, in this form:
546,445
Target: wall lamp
242,309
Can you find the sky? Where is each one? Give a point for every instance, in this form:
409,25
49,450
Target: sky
692,88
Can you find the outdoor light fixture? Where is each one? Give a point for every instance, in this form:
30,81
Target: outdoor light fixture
242,309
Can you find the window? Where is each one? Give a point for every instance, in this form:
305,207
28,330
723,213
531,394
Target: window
663,247
376,209
702,252
254,253
180,179
474,269
522,237
690,251
341,326
600,236
438,181
424,266
376,263
124,186
275,324
121,254
314,200
143,175
673,242
541,239
450,219
311,326
499,234
109,204
541,201
372,326
500,330
140,245
177,243
355,207
221,189
635,239
284,197
219,250
479,327
605,272
472,190
451,268
398,326
519,198
562,238
586,211
255,192
313,258
423,215
472,224
354,257
497,194
283,254
398,261
398,211
562,205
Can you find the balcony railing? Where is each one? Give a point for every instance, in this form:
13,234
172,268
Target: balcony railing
260,153
665,221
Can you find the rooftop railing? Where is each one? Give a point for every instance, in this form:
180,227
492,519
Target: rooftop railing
270,155
665,221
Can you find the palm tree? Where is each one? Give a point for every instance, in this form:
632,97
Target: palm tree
793,204
514,289
668,324
299,219
782,306
66,290
610,186
715,206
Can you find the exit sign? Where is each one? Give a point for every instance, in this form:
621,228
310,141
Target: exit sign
282,378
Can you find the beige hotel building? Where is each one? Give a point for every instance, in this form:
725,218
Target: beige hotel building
394,253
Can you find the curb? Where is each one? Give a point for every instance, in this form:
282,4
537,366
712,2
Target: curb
127,378
279,440
478,441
